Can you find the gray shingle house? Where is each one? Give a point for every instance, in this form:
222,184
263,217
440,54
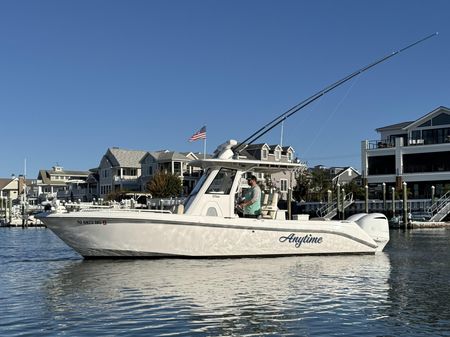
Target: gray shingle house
171,162
120,169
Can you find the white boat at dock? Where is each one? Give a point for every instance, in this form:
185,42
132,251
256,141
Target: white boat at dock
209,226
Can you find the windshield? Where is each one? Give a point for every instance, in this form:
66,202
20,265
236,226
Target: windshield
222,182
197,188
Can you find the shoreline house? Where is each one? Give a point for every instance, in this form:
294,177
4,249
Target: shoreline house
57,182
119,169
344,175
416,152
172,162
338,175
12,188
131,170
84,190
282,181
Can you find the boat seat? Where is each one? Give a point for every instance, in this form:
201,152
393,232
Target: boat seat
270,209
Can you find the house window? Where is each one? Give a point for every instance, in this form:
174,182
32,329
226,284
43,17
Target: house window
150,170
416,134
129,171
277,154
264,154
289,155
177,168
441,119
283,185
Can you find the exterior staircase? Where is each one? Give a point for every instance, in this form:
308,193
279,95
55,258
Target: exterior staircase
330,210
440,209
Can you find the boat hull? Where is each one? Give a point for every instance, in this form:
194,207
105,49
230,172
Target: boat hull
156,235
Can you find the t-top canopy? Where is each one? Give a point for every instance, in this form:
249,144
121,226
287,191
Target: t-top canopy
246,165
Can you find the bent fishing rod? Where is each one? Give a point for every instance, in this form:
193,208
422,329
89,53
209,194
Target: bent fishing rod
269,126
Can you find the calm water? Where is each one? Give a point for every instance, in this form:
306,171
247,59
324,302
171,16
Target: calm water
47,290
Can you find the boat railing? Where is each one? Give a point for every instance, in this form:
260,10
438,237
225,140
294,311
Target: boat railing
131,210
111,207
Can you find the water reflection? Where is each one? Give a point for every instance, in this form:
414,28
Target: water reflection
419,286
283,296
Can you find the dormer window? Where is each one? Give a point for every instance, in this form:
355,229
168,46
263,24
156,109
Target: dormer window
277,154
289,155
264,154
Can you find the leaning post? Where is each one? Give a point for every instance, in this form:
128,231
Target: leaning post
343,203
384,197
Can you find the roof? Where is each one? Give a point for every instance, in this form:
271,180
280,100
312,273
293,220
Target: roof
258,146
125,158
245,154
45,177
4,182
253,147
430,115
172,155
404,125
397,126
166,156
345,169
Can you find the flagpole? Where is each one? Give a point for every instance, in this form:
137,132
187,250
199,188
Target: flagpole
204,148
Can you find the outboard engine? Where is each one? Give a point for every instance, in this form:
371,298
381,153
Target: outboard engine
374,224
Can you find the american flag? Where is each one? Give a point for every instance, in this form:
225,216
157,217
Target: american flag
201,134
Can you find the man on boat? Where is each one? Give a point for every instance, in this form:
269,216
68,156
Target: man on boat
252,200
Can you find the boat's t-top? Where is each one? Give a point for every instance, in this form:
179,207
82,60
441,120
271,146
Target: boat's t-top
214,194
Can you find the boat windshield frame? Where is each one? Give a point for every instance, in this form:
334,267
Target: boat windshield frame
225,177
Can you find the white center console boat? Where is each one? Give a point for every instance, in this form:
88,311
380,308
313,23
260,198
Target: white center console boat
208,226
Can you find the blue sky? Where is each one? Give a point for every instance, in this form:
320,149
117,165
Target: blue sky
77,77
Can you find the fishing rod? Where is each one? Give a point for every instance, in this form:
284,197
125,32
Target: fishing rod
269,126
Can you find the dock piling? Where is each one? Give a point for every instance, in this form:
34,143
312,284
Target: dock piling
405,205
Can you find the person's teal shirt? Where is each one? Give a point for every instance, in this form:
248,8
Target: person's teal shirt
253,194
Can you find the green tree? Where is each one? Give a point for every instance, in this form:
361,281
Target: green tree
164,185
302,188
358,191
321,183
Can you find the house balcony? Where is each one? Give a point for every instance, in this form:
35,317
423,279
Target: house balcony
380,144
389,143
118,179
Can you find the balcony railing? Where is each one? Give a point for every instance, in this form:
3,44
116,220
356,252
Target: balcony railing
387,143
380,144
